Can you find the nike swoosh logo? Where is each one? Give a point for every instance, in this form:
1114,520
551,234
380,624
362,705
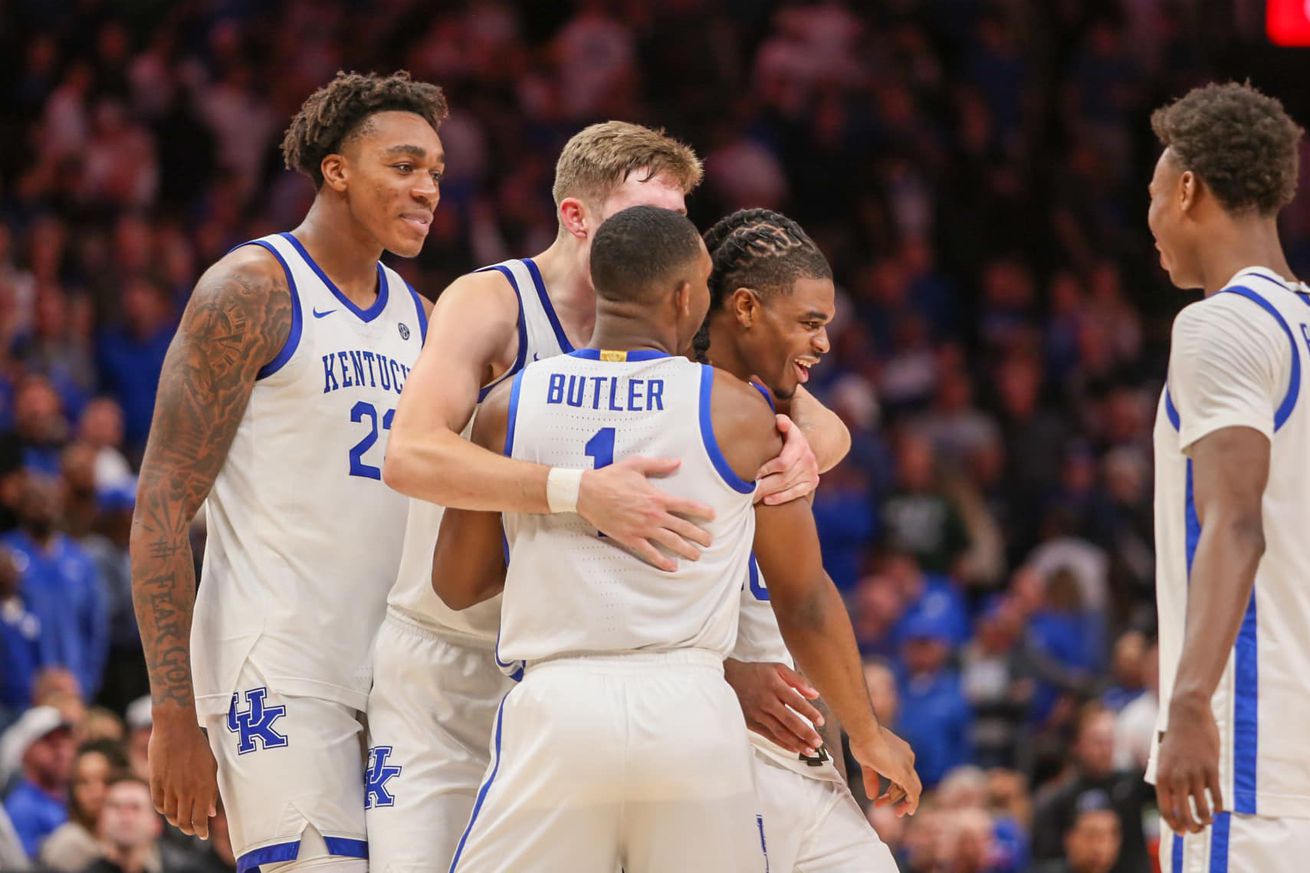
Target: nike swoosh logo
318,314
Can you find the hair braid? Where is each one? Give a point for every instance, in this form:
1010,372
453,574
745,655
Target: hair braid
759,249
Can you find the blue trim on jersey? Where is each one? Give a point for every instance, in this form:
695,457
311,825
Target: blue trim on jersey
365,315
1246,718
1294,381
344,847
523,332
735,482
274,854
422,314
297,317
1172,411
764,392
1192,523
632,356
1219,842
753,571
482,792
513,417
1177,855
560,336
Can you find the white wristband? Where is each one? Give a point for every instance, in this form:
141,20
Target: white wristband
562,487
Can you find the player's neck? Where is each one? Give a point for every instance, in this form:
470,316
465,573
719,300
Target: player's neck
620,331
1239,244
564,271
723,352
342,250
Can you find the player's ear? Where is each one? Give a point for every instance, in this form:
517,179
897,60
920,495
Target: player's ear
744,305
334,170
1188,188
575,218
682,300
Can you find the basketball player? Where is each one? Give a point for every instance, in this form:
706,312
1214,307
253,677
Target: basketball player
623,745
436,683
275,403
1232,492
771,298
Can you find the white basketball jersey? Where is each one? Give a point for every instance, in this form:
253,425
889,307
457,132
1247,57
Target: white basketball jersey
1238,359
303,536
412,597
570,591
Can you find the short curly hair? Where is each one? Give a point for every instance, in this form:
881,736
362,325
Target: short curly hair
1240,142
341,109
636,248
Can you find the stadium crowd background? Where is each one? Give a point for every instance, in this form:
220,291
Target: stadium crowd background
976,173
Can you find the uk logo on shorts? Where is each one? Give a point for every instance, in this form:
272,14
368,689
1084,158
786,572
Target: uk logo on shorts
256,722
376,777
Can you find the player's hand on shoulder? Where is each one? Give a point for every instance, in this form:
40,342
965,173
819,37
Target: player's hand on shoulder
183,773
773,698
883,753
794,473
622,503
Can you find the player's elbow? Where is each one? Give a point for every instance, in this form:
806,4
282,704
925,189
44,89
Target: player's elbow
454,596
803,611
1244,533
399,467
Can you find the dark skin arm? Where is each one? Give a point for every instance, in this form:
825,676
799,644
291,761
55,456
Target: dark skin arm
237,320
773,696
468,561
810,611
1230,468
827,434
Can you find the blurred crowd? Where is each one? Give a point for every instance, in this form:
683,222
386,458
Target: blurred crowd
974,170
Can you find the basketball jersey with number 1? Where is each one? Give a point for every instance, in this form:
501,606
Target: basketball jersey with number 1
571,591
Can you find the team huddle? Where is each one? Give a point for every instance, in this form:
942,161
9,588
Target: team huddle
527,580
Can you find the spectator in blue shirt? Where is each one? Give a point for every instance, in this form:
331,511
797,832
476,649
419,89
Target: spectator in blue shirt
934,715
40,745
131,355
61,583
22,648
927,594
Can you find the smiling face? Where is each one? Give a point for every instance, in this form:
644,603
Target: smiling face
785,334
1172,192
390,172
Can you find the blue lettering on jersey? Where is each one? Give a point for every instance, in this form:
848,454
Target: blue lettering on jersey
612,393
376,777
357,368
256,723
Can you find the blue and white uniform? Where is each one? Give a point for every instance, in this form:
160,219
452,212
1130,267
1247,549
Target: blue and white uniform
623,745
1239,359
436,683
303,541
812,821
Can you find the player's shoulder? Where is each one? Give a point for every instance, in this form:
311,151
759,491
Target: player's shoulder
481,297
250,274
1229,316
744,424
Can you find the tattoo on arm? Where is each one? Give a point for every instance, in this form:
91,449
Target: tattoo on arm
237,320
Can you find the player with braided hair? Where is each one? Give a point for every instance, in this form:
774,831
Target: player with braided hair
273,411
771,298
438,666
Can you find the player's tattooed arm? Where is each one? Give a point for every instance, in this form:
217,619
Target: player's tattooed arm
237,320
